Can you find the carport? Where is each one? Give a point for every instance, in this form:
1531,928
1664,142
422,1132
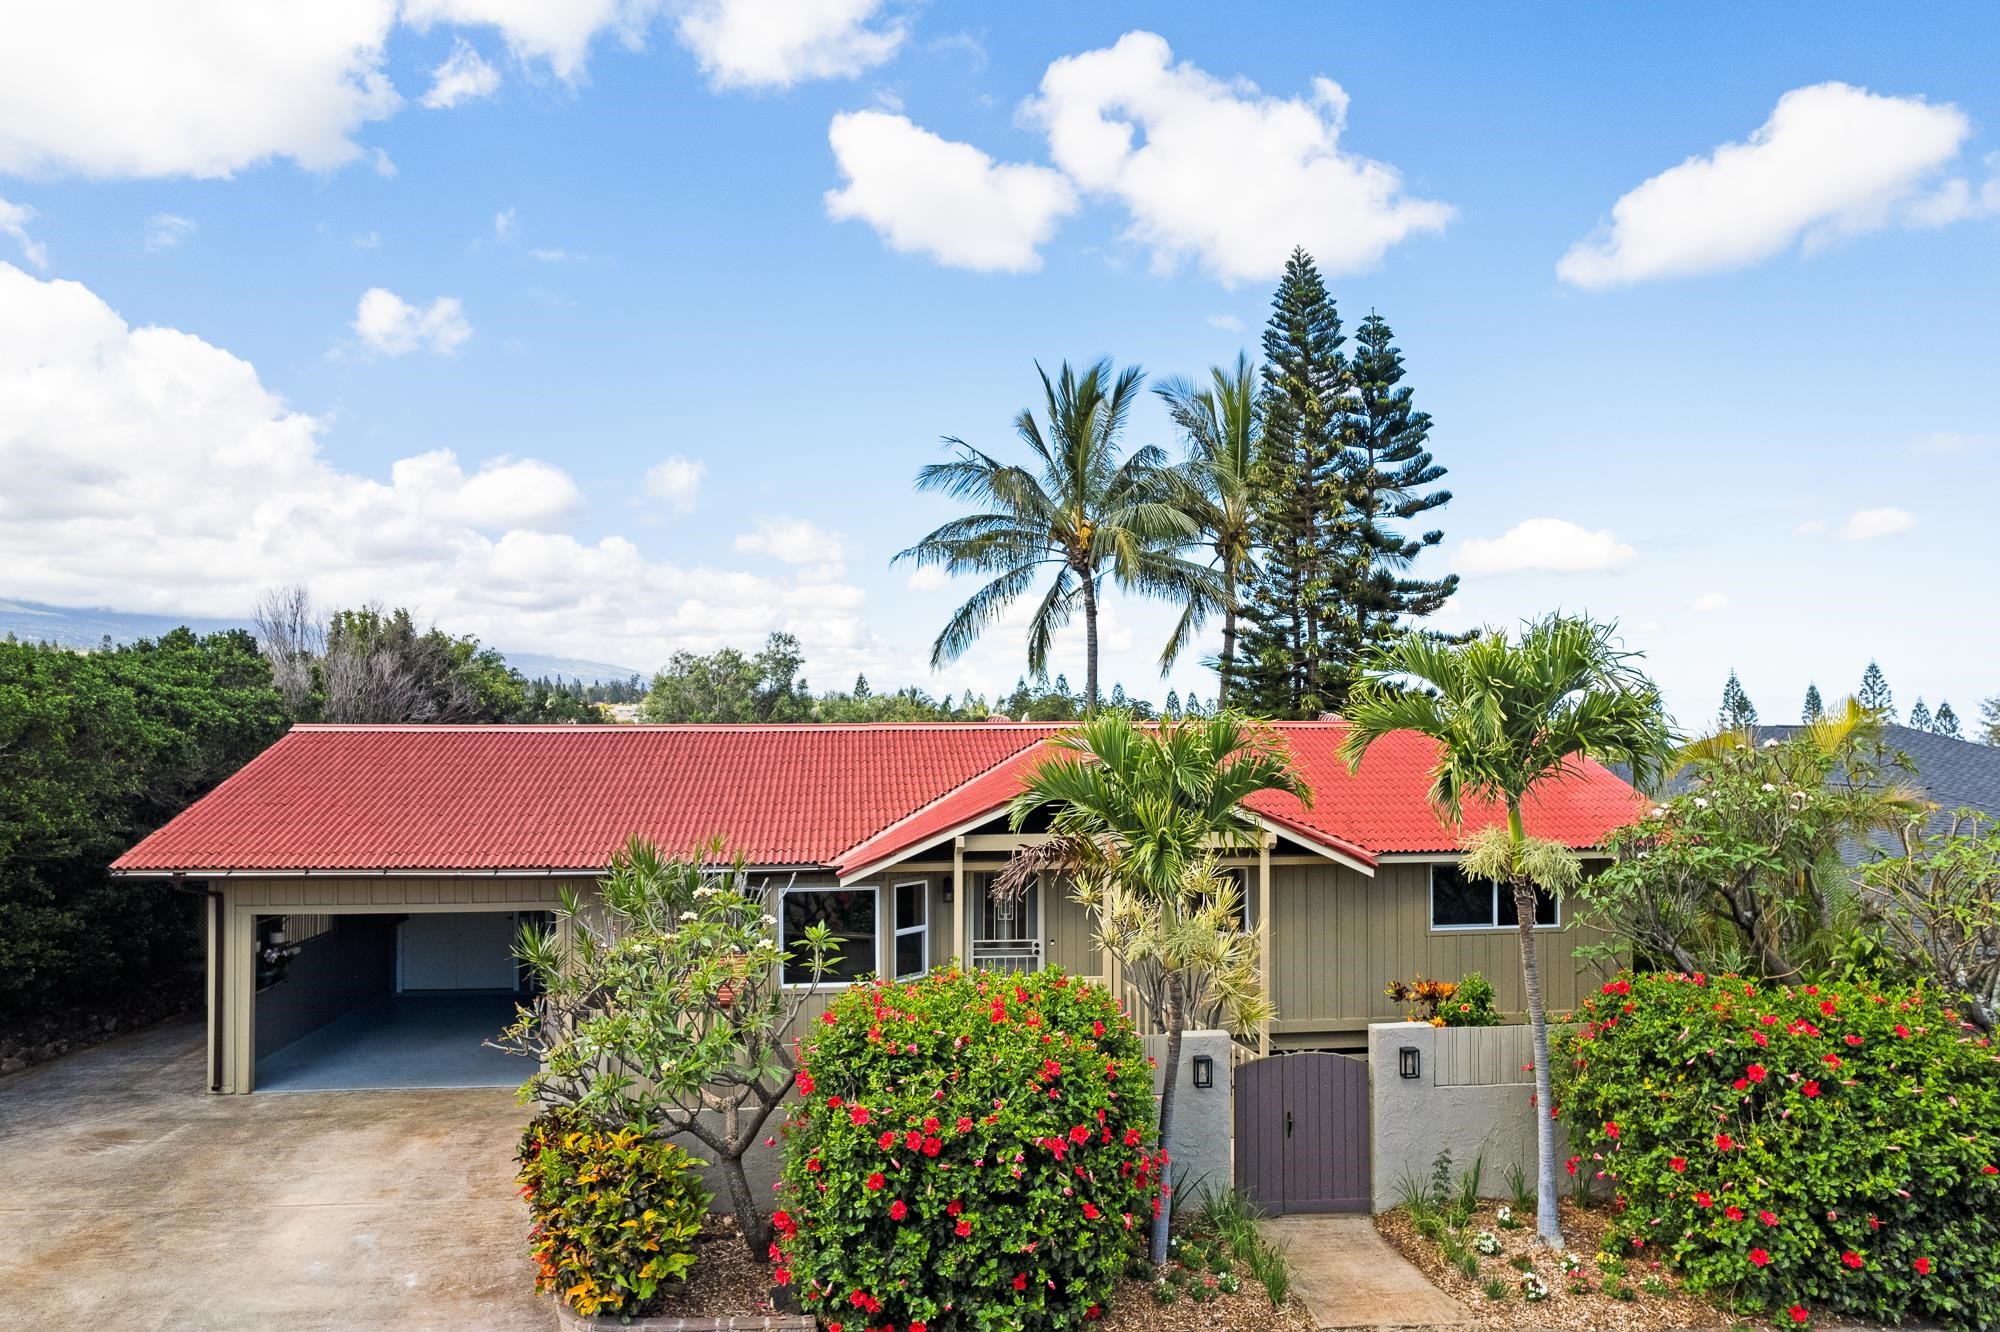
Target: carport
366,1001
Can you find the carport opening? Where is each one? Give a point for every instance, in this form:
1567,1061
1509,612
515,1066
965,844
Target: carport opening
370,1002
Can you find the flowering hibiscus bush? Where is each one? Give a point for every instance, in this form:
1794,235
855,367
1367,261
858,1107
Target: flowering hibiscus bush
1807,1148
974,1151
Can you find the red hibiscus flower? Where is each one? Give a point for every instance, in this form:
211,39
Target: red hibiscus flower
1724,1143
1678,1165
964,1124
1611,1131
887,1142
954,1207
1902,1031
964,1228
1852,1259
875,1182
1768,1218
1923,1266
1020,1281
1759,1258
1704,1199
1809,1089
897,1211
859,1114
1799,1313
1090,1211
1734,1213
1852,1039
1755,1072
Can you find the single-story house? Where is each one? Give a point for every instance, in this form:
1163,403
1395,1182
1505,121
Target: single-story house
349,869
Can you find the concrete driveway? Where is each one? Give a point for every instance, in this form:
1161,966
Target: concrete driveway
131,1199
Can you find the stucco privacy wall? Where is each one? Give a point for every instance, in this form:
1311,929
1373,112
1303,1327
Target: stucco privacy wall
1473,1098
1202,1115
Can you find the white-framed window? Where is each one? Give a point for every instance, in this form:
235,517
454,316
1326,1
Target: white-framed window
913,928
849,913
1459,902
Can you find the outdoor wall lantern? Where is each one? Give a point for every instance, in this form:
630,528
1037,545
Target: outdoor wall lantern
1204,1071
947,893
1412,1061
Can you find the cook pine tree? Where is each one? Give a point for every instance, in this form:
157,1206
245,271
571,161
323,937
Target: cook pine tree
1814,709
1391,480
1875,695
1737,713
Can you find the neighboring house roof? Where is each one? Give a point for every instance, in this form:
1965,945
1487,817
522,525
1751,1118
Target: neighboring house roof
1954,774
343,799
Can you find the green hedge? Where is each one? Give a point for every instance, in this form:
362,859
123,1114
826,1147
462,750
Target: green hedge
1806,1150
973,1151
614,1212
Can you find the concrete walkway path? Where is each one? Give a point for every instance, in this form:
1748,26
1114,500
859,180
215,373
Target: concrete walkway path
1350,1277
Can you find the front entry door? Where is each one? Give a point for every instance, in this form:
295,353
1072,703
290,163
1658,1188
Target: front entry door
1006,935
1302,1141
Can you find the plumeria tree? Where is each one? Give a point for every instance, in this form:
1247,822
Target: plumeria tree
662,1007
1936,908
1742,870
1511,715
1138,814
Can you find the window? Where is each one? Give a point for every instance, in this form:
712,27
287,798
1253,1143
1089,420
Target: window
848,912
1461,903
913,930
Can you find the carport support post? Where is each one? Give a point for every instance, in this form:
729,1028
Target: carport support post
1264,935
239,1007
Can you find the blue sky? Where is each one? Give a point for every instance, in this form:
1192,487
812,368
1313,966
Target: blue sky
1754,416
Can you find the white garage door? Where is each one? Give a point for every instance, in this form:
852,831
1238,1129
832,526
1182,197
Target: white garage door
449,950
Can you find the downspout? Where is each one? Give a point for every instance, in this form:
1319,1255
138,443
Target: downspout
218,955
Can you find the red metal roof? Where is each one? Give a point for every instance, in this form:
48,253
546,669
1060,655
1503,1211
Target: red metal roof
349,798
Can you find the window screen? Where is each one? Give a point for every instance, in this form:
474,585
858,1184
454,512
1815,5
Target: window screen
1458,902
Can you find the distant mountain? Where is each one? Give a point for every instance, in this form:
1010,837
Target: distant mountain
74,627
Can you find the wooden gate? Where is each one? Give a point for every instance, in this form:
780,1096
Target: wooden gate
1302,1142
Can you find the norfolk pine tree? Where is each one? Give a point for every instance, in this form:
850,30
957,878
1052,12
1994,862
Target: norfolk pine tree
1814,709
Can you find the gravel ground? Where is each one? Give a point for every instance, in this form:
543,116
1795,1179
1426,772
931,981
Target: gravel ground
1566,1307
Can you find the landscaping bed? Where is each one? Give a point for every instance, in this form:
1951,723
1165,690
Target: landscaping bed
726,1279
1214,1280
1616,1293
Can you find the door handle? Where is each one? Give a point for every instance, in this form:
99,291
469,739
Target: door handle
1288,1123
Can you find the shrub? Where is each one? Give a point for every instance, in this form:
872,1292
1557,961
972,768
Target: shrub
1834,1147
614,1212
1471,1003
972,1148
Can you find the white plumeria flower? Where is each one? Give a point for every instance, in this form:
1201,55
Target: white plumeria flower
1701,802
1770,786
687,915
1771,744
1659,811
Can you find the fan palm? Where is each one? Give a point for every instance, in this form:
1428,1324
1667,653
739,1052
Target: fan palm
1222,425
1509,717
1077,509
1137,815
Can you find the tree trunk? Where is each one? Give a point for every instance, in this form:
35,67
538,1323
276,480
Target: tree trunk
1090,633
750,1218
1548,1216
1228,663
1176,1016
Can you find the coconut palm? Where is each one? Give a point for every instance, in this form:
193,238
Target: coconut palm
1222,424
1077,509
1137,816
1511,716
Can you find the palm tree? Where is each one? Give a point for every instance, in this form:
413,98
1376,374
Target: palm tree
1138,814
1222,425
1508,717
1077,509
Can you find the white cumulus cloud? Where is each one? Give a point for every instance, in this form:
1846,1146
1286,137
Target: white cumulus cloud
202,88
1867,524
152,471
165,231
1709,602
929,578
929,195
391,326
777,43
1213,169
792,541
677,481
14,220
463,77
1544,545
1833,160
559,32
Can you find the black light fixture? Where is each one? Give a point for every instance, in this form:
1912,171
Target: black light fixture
1204,1071
1412,1061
